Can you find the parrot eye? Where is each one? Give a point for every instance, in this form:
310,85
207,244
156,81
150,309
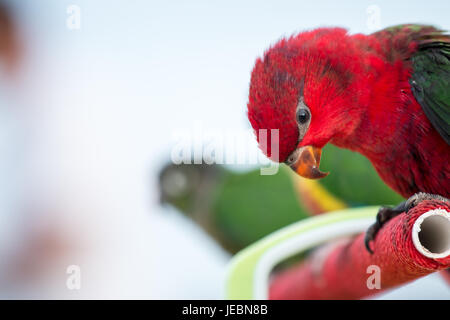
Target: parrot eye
303,116
290,160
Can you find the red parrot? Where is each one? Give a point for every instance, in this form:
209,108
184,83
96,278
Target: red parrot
385,95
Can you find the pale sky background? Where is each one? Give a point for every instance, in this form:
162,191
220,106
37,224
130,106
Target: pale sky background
88,124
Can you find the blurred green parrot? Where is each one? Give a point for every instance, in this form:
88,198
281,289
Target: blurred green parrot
239,208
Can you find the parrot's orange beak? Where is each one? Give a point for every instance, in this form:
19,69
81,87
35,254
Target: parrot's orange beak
305,161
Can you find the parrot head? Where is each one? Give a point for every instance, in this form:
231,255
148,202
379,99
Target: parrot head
307,87
183,186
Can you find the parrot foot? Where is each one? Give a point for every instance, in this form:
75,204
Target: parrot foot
385,214
422,196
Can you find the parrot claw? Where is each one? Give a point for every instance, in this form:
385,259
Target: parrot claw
385,214
370,235
422,196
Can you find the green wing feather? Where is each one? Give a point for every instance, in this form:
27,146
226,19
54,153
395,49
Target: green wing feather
430,81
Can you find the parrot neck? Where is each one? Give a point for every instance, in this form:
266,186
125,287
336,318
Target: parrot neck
391,123
384,101
391,129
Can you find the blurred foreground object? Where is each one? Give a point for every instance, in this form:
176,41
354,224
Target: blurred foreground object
9,40
237,209
409,246
33,260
